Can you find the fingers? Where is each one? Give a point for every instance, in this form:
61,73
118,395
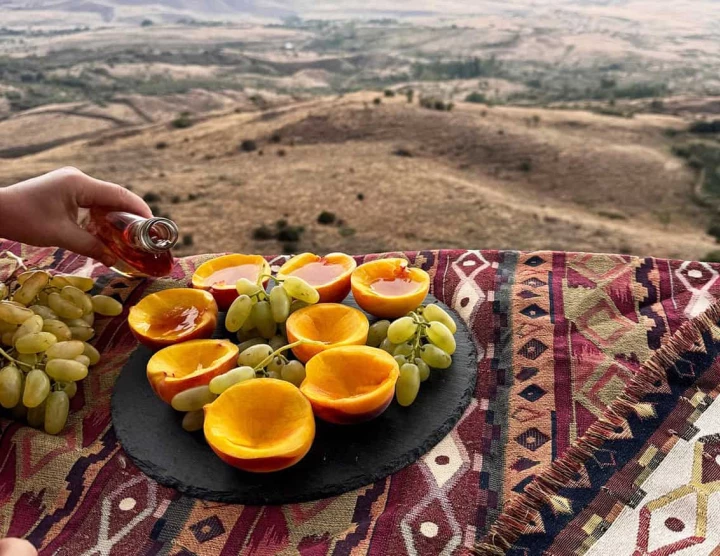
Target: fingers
91,192
81,242
16,547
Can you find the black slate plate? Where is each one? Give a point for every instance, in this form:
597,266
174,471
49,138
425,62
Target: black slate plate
341,459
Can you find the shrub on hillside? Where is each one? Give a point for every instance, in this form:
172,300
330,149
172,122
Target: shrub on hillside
477,97
182,121
712,126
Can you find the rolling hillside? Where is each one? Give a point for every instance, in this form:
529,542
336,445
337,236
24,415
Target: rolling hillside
398,176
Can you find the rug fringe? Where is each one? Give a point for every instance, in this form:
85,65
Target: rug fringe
542,490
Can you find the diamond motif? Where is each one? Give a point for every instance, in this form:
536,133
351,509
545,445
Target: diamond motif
444,460
208,529
605,458
532,439
535,261
534,311
527,373
523,464
524,414
533,349
533,393
534,282
527,294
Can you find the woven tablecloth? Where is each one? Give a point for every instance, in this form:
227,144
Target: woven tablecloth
559,337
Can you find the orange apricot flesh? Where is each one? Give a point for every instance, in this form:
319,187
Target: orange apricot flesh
219,275
177,368
329,275
389,288
333,323
350,384
260,425
172,316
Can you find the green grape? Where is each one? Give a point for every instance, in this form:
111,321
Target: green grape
401,330
224,381
31,326
82,333
106,306
31,359
440,335
45,312
4,291
63,308
192,399
264,322
300,289
31,287
56,411
91,353
423,368
36,415
84,359
238,313
243,336
435,357
64,370
79,299
377,333
401,360
70,388
280,303
387,345
249,325
405,349
435,313
35,343
296,305
7,327
89,319
11,382
59,281
7,338
246,287
294,372
37,388
276,342
58,329
276,365
83,283
408,384
254,355
249,343
193,420
274,374
12,313
65,350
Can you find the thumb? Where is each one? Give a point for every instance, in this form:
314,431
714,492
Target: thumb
84,243
16,547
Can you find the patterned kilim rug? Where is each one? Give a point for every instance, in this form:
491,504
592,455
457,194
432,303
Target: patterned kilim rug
537,463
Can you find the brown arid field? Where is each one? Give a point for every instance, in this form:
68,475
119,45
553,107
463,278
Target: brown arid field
398,176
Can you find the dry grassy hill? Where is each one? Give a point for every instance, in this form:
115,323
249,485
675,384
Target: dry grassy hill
403,177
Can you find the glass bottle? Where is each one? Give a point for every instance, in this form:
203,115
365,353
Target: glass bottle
142,245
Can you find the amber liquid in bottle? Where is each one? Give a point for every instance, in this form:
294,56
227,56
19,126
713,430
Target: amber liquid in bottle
142,245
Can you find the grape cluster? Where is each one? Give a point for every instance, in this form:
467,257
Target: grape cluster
420,341
45,324
258,318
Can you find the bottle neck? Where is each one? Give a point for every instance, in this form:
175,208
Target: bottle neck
155,235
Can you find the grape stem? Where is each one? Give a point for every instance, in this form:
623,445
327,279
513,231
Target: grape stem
278,351
9,358
271,277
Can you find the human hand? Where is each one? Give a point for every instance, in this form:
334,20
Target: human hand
16,547
43,211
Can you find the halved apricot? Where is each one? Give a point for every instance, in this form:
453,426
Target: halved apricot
177,368
219,275
260,425
389,288
338,325
329,275
350,384
171,316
